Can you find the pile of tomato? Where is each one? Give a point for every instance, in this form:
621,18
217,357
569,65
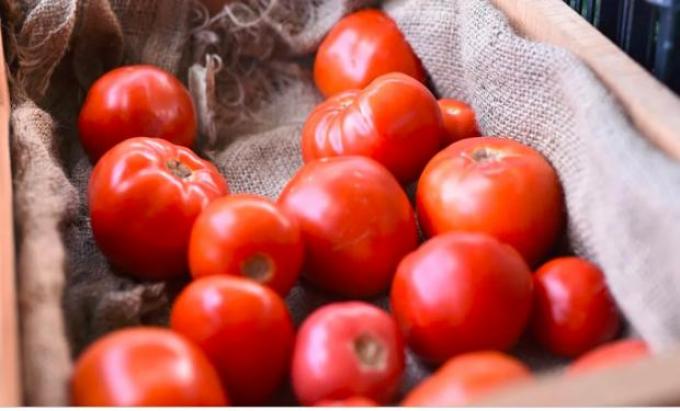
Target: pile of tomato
491,210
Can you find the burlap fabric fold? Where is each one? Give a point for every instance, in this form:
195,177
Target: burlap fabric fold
248,69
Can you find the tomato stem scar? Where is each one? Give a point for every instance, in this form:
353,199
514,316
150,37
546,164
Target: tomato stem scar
179,169
370,351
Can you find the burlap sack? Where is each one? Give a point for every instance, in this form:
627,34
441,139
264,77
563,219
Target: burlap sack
248,69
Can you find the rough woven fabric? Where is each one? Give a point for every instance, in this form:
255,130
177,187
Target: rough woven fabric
248,68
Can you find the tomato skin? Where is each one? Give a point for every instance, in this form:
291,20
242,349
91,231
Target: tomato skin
461,292
244,328
395,121
608,355
460,120
348,402
361,47
476,183
145,366
135,101
249,236
465,378
356,222
573,310
347,349
144,196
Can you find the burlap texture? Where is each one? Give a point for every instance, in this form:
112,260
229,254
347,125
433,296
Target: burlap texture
248,69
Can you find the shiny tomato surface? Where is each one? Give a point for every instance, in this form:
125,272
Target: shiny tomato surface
610,355
460,120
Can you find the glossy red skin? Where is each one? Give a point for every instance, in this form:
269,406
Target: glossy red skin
356,222
142,212
249,236
573,310
358,49
135,101
395,121
514,196
145,366
327,365
609,355
348,402
460,120
244,328
461,292
466,378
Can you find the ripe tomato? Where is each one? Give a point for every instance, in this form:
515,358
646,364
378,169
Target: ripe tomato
348,402
608,355
145,366
249,236
135,101
461,292
573,310
347,349
495,186
244,328
356,222
144,196
465,378
395,121
459,120
361,47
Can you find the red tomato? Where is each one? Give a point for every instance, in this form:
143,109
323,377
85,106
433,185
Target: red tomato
145,366
249,236
459,120
495,186
348,402
347,349
144,196
610,354
461,292
356,222
361,47
573,310
244,328
135,101
466,378
395,121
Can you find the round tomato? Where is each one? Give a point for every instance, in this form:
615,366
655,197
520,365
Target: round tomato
135,101
610,354
144,196
347,349
466,378
145,366
395,121
459,120
495,186
348,402
249,236
356,222
573,310
461,292
244,328
361,47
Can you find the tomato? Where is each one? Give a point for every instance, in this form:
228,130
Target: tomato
461,292
395,121
356,222
145,366
347,349
244,328
460,120
610,354
466,378
361,47
144,196
495,186
249,236
573,310
348,402
135,101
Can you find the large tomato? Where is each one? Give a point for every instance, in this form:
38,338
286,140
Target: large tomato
345,350
495,186
461,292
395,121
609,355
356,222
145,366
361,47
244,328
249,236
135,101
460,120
144,196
